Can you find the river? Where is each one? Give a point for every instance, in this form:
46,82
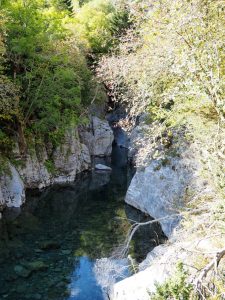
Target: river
66,238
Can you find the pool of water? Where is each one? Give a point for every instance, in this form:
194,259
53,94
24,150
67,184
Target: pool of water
54,249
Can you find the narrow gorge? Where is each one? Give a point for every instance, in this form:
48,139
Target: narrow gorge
112,150
62,234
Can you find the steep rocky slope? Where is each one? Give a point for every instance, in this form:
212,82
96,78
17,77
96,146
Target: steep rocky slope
38,169
174,184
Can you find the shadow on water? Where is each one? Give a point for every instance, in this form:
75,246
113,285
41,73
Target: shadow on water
49,250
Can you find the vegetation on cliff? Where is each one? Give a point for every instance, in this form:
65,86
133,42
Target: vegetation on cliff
170,66
44,75
162,58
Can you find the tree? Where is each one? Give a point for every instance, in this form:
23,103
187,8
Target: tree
45,61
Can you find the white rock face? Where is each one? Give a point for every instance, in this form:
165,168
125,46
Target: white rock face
70,158
160,190
165,177
67,160
103,137
137,286
42,167
33,171
157,267
98,138
157,192
165,174
12,192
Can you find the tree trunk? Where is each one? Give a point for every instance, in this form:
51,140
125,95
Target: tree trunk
22,141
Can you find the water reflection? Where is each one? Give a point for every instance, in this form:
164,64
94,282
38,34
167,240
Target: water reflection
83,282
50,250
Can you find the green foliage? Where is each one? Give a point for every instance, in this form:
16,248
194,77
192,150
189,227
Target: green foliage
45,82
49,164
6,143
4,166
9,99
92,22
176,288
174,55
98,24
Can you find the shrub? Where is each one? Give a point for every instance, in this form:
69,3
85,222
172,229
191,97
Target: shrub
177,287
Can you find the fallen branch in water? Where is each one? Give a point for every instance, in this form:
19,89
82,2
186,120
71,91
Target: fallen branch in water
134,227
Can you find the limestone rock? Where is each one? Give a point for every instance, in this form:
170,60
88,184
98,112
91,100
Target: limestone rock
70,158
102,167
12,192
86,158
34,171
98,137
164,176
103,137
165,179
138,286
43,166
156,192
67,160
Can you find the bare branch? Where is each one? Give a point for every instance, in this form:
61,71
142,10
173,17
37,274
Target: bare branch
213,263
134,227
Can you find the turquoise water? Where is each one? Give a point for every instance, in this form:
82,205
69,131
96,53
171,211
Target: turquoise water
50,250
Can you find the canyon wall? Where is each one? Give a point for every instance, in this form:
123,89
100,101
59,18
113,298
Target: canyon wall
170,174
38,169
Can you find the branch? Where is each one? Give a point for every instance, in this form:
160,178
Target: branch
92,101
135,227
213,263
29,111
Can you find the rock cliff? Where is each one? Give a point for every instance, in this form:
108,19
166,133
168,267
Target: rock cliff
170,174
42,166
12,191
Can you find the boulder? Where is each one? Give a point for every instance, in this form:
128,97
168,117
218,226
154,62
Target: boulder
103,137
70,158
102,167
21,271
49,244
98,137
156,193
139,285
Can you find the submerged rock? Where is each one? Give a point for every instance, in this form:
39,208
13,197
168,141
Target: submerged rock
37,265
66,252
47,245
37,296
21,271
